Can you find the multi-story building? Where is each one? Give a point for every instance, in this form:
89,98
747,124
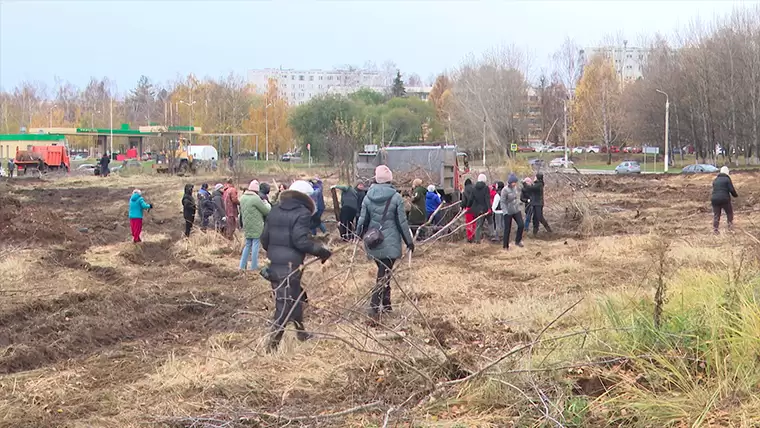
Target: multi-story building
421,92
299,86
629,61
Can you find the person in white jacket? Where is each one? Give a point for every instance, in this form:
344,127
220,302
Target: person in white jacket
497,211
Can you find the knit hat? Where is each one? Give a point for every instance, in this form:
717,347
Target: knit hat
383,174
528,180
264,188
254,186
416,182
302,187
136,192
482,178
218,186
512,178
431,188
724,170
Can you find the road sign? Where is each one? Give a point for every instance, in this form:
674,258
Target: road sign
651,150
513,147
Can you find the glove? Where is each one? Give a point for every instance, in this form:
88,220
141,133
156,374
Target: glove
410,247
150,206
324,254
333,187
224,218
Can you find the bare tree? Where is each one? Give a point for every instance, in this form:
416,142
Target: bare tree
490,99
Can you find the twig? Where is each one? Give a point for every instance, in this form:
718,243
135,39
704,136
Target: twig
200,302
335,415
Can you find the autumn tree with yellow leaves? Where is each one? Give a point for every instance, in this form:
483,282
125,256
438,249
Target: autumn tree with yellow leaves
597,110
269,114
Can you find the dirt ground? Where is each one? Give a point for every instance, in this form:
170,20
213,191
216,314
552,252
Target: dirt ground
96,331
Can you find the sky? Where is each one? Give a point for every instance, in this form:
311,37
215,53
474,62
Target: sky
122,40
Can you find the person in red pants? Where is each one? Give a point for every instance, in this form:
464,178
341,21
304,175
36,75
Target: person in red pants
136,207
469,218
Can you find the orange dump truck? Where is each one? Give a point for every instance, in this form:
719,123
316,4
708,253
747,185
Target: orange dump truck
43,159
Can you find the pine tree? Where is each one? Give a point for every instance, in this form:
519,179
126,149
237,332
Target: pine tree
398,90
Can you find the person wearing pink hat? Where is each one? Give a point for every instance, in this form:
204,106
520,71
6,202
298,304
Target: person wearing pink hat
253,211
382,213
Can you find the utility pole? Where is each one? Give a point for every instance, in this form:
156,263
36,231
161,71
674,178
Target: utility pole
564,105
484,141
667,129
111,130
51,115
266,128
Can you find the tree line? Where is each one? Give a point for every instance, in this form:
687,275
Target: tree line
710,73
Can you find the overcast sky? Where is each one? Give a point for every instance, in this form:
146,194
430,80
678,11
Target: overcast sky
163,39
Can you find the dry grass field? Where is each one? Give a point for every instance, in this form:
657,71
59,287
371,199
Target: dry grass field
98,332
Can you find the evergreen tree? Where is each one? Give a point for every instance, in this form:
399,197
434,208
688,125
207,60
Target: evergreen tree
398,90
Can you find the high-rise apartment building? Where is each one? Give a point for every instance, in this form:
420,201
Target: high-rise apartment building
299,86
629,61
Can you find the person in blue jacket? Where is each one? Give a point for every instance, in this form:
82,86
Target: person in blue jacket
319,201
136,207
432,202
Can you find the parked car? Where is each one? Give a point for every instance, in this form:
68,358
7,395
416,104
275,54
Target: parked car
525,149
87,168
628,167
291,157
632,150
129,165
561,163
578,150
593,149
536,163
556,149
700,168
541,148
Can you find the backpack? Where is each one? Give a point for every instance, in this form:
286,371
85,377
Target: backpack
374,236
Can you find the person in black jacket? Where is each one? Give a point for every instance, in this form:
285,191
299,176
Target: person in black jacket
536,192
286,239
188,208
525,199
722,190
468,217
361,192
479,203
205,206
104,161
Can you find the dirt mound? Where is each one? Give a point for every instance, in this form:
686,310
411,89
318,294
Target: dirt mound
149,253
79,324
72,259
25,222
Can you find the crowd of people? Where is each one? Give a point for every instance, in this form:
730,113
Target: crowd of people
375,214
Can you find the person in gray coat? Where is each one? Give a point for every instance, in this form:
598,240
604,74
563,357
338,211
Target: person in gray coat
217,197
510,207
383,198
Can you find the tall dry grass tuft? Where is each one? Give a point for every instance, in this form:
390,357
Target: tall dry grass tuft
698,362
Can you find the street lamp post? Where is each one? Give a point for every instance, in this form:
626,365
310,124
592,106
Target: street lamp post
190,104
484,141
564,109
92,118
667,129
266,129
51,115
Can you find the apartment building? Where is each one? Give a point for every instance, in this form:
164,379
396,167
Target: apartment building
629,60
299,86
